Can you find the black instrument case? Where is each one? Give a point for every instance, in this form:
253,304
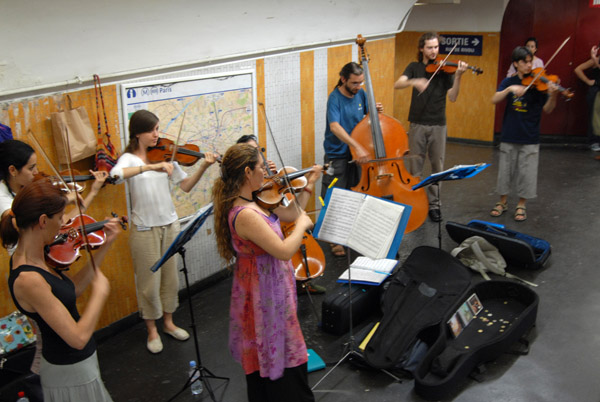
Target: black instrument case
423,296
518,249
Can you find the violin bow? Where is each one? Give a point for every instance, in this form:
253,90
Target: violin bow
83,231
441,64
546,65
178,137
285,175
41,151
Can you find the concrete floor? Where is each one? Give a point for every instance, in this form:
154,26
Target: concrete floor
563,363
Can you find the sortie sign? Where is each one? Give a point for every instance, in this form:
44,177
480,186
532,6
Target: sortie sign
469,45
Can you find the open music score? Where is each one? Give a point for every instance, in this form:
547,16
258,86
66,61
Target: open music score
371,226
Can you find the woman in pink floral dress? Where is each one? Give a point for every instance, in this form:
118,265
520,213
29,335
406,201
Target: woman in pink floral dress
264,332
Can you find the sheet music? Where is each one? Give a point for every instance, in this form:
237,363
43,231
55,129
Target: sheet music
383,265
363,276
375,227
338,222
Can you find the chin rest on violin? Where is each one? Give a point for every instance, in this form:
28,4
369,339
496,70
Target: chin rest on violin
185,155
449,67
540,80
72,182
275,187
64,250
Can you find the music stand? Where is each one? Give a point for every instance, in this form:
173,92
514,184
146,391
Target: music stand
350,345
454,173
178,247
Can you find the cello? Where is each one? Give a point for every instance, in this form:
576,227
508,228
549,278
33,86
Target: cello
384,138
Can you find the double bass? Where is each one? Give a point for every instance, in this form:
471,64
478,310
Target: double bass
385,175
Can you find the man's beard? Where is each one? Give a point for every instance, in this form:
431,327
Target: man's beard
352,90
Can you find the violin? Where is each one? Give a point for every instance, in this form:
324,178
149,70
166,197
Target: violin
274,188
449,67
185,155
540,80
64,250
309,260
72,183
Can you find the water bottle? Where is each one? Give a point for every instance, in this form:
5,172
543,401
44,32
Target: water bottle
22,397
195,379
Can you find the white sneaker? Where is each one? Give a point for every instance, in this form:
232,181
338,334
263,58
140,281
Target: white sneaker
595,147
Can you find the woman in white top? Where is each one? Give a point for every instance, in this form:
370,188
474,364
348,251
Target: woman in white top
154,224
532,45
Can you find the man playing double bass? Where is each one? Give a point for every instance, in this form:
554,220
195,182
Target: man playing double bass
427,115
346,107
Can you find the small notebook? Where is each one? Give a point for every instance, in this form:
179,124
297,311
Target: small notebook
369,271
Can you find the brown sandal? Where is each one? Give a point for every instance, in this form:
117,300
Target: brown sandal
498,209
520,216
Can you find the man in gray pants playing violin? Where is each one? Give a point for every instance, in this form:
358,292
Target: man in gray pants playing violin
427,115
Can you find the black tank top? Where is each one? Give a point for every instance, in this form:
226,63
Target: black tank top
54,349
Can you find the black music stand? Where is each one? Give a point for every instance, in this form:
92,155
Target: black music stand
350,349
454,173
177,247
350,346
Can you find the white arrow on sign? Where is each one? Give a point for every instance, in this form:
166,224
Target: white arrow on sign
475,41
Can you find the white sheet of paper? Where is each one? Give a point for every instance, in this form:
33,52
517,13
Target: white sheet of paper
375,227
382,265
338,221
364,275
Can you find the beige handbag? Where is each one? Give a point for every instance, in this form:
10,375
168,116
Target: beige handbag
75,123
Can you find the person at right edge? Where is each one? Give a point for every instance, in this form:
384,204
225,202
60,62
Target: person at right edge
592,80
520,136
427,115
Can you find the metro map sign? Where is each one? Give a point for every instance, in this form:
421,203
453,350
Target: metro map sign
469,45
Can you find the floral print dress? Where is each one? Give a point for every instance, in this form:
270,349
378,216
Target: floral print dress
264,332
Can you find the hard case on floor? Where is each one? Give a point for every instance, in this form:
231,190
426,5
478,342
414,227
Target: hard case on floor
336,307
423,297
419,294
518,249
509,310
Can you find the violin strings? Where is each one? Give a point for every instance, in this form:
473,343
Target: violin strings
70,166
440,66
285,175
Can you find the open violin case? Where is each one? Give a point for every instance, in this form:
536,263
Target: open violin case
424,295
518,249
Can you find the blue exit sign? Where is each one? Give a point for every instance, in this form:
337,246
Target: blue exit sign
469,45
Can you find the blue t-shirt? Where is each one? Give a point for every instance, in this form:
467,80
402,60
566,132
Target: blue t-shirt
348,112
522,116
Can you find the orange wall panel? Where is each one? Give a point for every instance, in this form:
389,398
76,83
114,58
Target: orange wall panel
471,117
34,114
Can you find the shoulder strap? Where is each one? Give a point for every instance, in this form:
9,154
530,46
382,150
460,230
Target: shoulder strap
98,91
